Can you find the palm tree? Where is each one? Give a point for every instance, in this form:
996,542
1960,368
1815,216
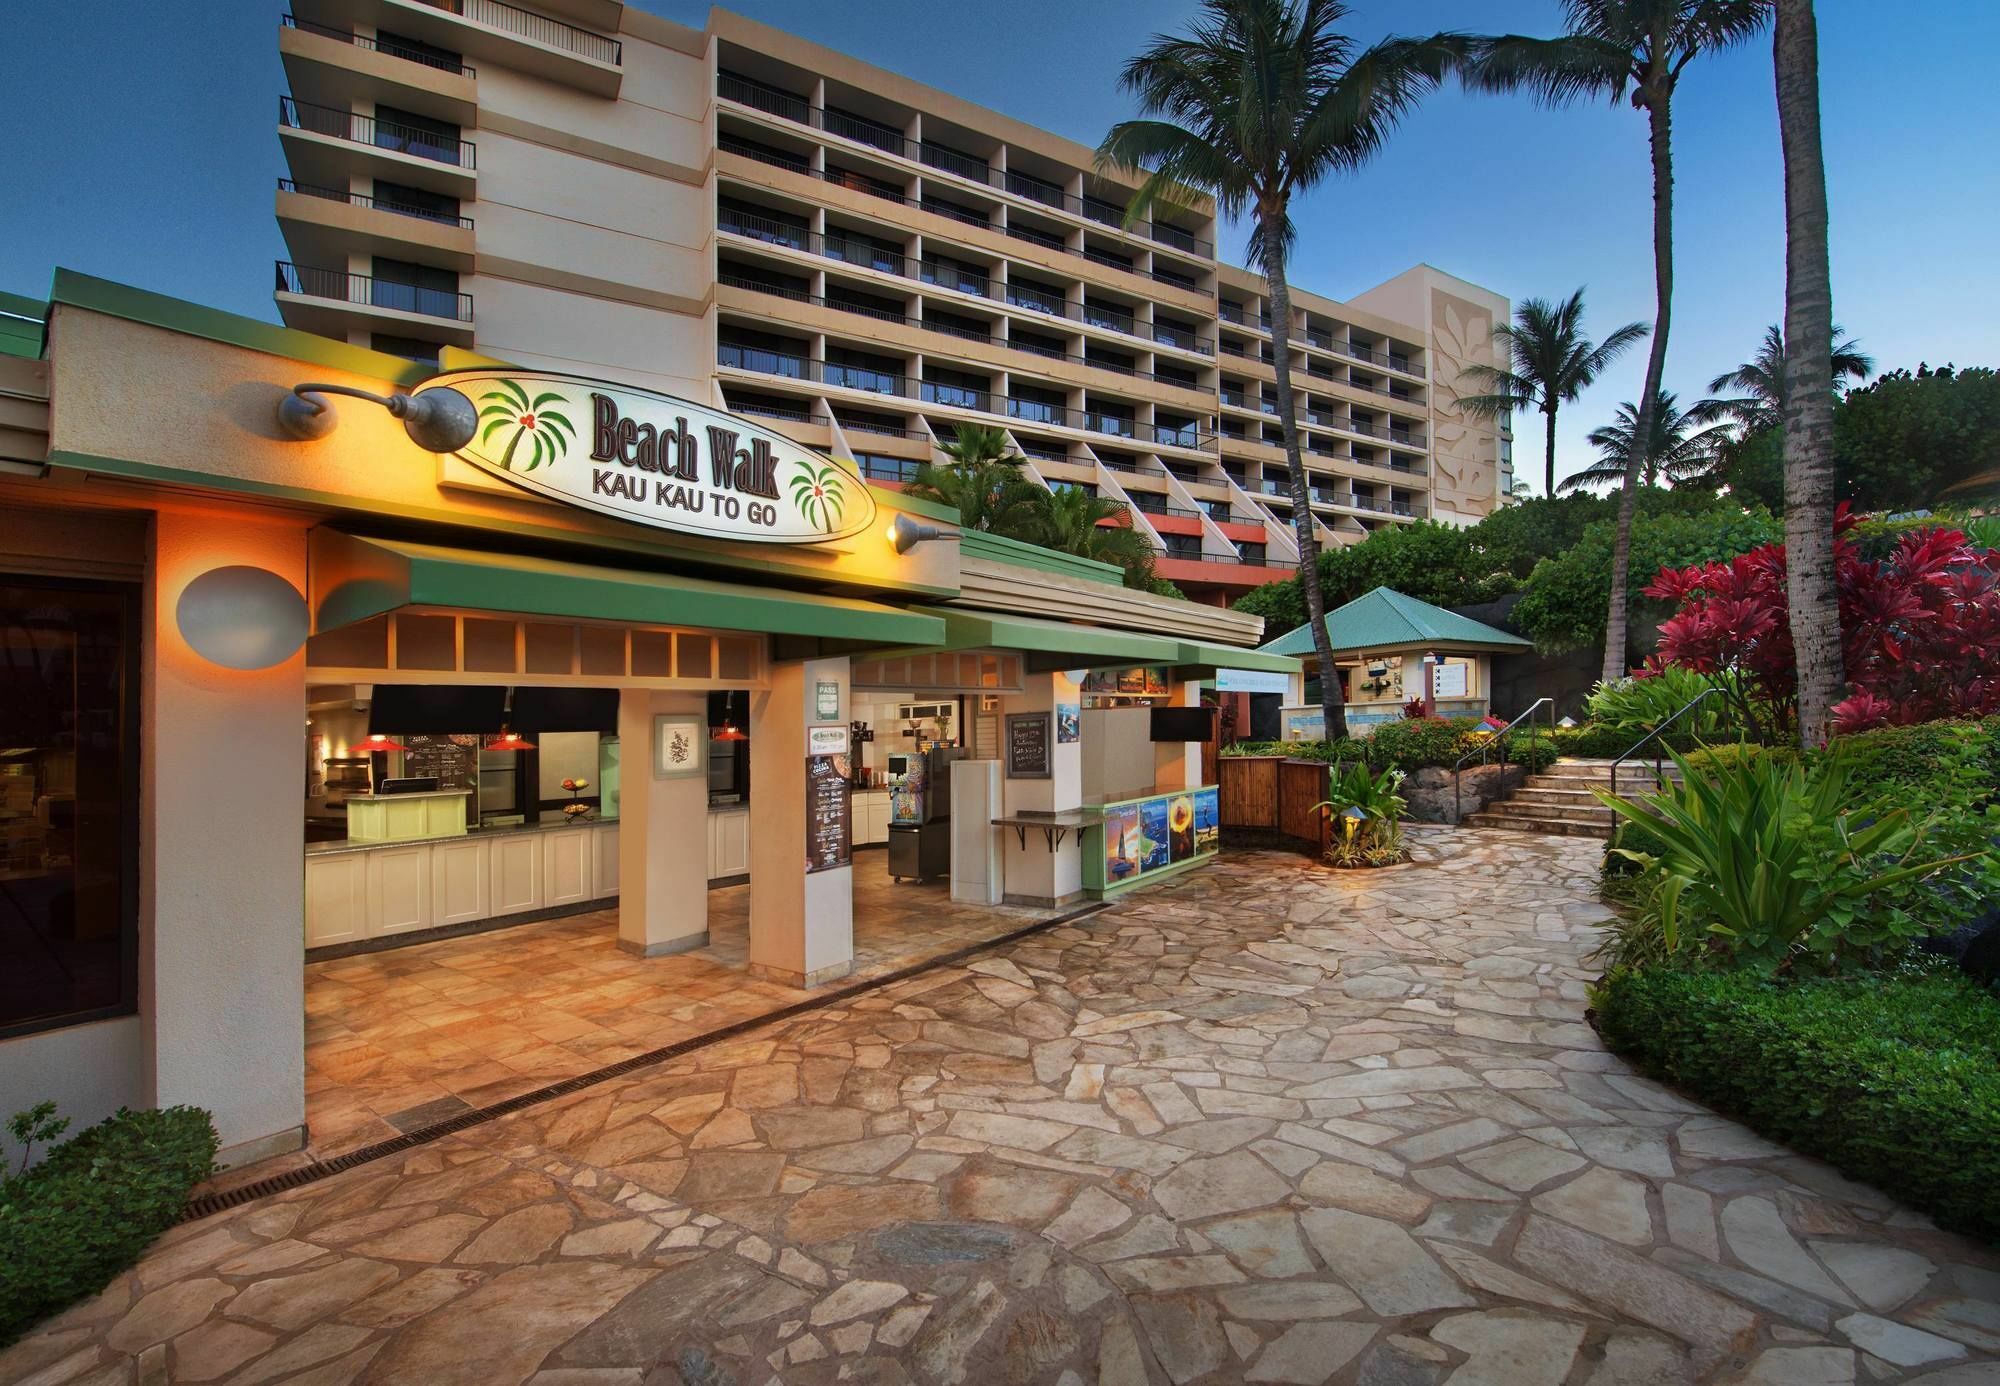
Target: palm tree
1619,50
1811,366
1679,451
1757,398
1550,361
1258,102
1079,522
982,479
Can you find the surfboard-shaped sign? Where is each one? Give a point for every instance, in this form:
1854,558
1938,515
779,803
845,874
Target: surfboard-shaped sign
656,460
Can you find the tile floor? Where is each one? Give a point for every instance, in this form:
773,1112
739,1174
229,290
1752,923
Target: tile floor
404,1038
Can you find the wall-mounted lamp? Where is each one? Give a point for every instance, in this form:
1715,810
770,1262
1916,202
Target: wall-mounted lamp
905,533
242,617
438,420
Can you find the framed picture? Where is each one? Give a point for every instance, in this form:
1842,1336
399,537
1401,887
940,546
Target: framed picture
680,746
1069,723
989,702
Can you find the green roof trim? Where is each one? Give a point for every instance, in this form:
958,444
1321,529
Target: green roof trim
178,315
981,544
1089,646
1385,620
370,576
1211,656
23,323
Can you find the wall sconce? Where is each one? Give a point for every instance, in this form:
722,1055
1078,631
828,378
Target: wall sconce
240,617
438,420
905,533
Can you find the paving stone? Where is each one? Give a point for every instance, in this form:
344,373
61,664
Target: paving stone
293,1301
1482,1273
1758,1237
1521,1164
1641,1359
1896,1342
1185,1333
1799,1366
1604,1274
170,1311
943,1348
522,1235
1628,1148
857,1299
1309,1353
1266,1244
1362,1191
217,1348
1092,1214
1381,1262
1611,1205
1715,1138
1510,1347
1203,1188
1443,1141
1119,1360
1690,1216
1881,1277
503,1329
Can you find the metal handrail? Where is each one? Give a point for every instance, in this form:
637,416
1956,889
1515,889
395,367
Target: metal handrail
1659,758
1486,748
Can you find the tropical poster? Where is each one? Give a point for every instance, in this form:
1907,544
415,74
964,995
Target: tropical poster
1121,843
653,459
1069,723
1153,852
1180,827
1207,820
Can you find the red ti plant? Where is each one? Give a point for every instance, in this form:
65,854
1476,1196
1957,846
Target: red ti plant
1920,629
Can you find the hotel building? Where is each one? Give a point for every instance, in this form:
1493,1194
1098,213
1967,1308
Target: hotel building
739,217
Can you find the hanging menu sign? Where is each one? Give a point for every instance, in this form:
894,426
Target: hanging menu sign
829,835
454,760
1028,745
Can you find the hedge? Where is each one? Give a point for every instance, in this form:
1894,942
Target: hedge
1412,743
1894,1079
72,1223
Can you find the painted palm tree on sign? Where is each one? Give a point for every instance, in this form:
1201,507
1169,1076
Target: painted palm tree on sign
820,492
548,431
1681,449
1622,50
1258,102
1550,363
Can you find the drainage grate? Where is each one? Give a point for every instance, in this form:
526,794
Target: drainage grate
479,1116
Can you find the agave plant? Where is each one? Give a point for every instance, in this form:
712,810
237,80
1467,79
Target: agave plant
1763,859
509,406
820,492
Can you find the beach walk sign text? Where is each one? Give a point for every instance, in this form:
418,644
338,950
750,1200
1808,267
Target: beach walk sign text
656,460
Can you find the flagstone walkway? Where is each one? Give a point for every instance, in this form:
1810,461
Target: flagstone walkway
1259,1124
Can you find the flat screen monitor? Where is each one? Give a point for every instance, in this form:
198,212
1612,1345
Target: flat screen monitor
1183,723
565,710
436,709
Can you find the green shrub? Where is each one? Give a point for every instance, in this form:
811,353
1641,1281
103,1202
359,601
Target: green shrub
1638,705
1375,838
1416,742
85,1213
1895,1080
1596,741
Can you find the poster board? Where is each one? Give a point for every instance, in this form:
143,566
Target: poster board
1030,736
829,825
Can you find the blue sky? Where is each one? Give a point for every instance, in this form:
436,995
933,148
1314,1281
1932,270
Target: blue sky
150,160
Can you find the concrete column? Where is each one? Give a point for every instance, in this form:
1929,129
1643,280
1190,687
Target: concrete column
801,923
1177,764
1035,875
222,865
662,833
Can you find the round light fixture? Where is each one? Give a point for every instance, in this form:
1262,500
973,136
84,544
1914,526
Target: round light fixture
240,617
438,419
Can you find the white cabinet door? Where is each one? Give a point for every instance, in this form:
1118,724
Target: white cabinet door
566,865
878,818
399,890
729,852
604,861
461,882
517,873
336,899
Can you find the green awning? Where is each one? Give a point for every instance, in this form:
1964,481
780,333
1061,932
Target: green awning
354,578
1235,657
1068,646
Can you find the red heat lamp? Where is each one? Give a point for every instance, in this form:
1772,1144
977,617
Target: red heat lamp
728,732
508,741
375,741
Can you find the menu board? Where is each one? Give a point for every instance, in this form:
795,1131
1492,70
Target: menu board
1028,737
829,831
454,760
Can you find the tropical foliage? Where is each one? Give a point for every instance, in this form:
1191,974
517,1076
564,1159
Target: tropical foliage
548,431
1638,705
1681,449
1549,364
1366,815
1752,397
1918,628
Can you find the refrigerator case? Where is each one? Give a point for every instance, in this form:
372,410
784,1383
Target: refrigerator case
920,816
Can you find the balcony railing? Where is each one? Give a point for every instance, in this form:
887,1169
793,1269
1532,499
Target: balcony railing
378,204
342,287
442,62
536,28
379,134
789,105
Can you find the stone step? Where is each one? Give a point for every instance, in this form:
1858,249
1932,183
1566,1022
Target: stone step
1576,813
1524,823
1558,793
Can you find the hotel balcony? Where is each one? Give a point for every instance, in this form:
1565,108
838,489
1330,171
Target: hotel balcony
326,65
323,226
333,302
524,40
326,146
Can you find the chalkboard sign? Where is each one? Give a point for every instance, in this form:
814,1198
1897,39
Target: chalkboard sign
829,832
1028,738
453,760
